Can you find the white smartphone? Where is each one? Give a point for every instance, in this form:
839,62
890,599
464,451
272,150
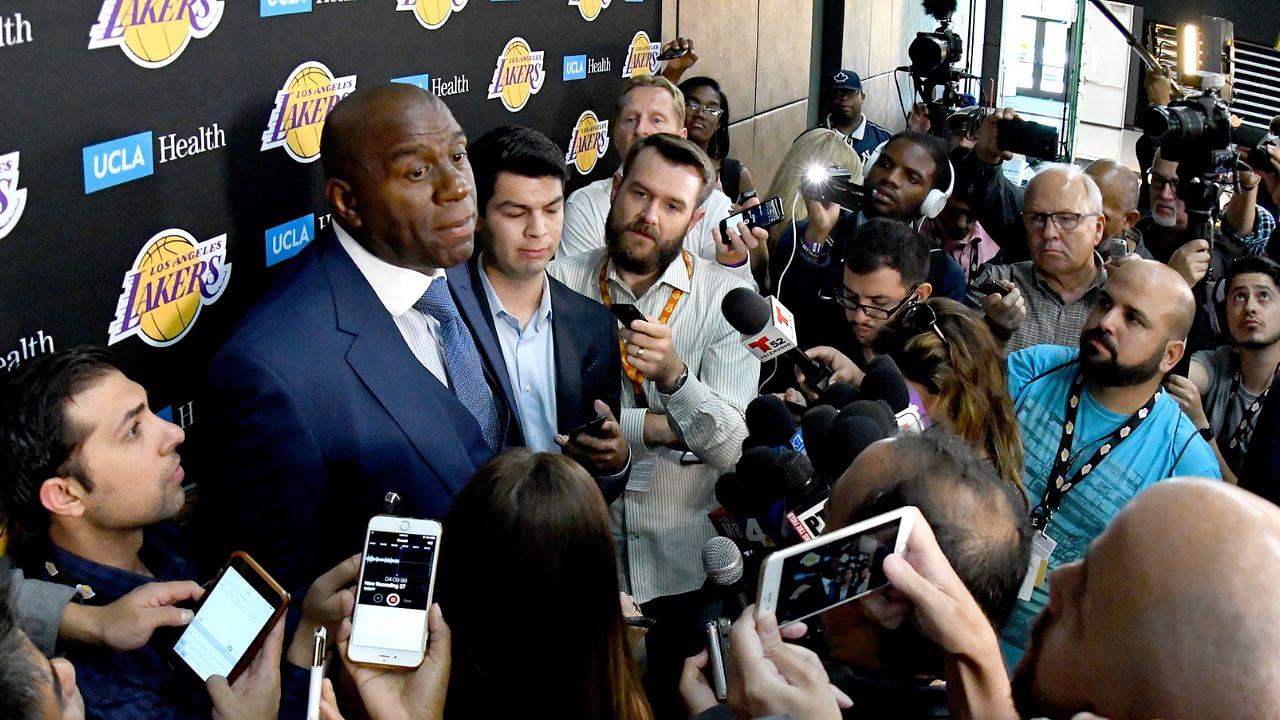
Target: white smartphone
801,581
397,580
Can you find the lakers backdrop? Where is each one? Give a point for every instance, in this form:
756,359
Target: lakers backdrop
158,158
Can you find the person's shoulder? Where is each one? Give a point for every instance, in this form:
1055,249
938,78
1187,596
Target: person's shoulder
572,269
1191,453
878,130
591,192
577,303
714,277
1032,362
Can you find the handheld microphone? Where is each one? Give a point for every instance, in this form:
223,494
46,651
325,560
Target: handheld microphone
770,424
849,437
839,394
883,381
726,568
816,426
769,330
877,410
752,501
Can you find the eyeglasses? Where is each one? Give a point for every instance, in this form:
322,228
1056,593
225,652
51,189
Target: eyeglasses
1159,182
707,110
875,312
1064,220
920,317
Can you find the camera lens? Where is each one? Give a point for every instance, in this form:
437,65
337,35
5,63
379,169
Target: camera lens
928,51
1174,124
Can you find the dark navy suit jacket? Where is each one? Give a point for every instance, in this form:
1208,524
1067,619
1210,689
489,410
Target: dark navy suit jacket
588,364
316,407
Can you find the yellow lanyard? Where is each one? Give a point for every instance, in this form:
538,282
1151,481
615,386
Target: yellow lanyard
634,375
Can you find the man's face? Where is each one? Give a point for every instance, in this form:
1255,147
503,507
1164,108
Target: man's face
1056,250
1253,314
846,104
57,695
1167,209
653,208
129,454
520,228
956,219
1126,340
1114,214
902,176
884,291
414,191
646,111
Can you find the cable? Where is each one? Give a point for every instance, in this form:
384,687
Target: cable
905,117
777,290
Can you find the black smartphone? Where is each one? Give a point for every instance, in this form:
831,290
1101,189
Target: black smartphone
590,427
747,195
992,287
766,214
673,53
834,185
231,622
1027,138
626,313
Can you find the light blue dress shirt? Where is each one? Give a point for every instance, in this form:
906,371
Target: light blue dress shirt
529,353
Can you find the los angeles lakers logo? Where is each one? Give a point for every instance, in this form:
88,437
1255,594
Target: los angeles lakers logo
306,99
590,9
642,56
431,14
518,76
171,279
153,33
589,142
13,199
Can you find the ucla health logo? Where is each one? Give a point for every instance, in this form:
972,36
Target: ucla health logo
306,99
590,9
431,14
118,161
288,239
642,56
588,143
12,198
518,76
270,8
575,68
171,279
153,33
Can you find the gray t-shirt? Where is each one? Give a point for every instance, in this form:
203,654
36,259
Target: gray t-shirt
1223,409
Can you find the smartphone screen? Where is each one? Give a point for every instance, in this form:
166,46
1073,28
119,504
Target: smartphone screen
395,591
225,627
834,573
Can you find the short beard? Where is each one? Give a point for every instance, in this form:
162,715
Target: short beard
1163,222
1259,344
1109,373
639,264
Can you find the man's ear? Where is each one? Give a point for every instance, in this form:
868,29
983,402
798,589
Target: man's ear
683,132
695,218
343,201
1173,351
924,292
1100,229
1131,219
617,185
63,496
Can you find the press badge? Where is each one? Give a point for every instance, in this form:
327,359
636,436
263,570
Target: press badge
641,478
1042,547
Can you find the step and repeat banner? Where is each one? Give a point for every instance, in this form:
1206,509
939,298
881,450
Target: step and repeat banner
158,158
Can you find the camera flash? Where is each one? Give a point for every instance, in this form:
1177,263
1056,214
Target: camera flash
815,175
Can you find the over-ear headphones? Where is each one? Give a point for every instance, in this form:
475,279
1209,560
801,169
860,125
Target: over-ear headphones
934,201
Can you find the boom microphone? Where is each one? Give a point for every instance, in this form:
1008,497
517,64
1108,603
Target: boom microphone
939,9
768,330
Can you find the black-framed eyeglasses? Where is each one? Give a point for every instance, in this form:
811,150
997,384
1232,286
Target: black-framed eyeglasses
1159,182
707,110
872,311
920,317
1064,220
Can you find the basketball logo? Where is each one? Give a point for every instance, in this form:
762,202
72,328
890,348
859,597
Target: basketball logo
431,14
13,199
171,279
307,98
642,56
518,76
590,9
588,143
151,33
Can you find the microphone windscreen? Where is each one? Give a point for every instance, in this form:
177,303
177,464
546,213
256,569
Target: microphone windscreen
769,422
837,395
849,437
877,410
883,381
795,470
816,426
745,310
760,479
729,491
722,561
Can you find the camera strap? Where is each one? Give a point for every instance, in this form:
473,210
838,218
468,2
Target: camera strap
1058,483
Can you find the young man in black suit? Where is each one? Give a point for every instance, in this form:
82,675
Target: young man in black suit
560,348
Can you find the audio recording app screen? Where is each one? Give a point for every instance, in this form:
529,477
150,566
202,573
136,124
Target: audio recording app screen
394,591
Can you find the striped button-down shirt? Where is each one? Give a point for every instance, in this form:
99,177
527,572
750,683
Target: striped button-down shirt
1049,321
660,532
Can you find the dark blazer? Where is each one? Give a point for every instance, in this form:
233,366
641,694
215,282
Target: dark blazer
316,407
588,364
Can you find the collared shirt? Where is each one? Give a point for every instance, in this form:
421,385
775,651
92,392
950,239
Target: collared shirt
1049,321
398,288
136,685
660,532
865,138
1223,408
529,353
587,209
962,251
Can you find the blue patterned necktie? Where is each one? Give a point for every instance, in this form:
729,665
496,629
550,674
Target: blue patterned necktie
462,360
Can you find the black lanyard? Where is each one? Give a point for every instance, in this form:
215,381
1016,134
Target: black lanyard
1059,484
1247,418
973,256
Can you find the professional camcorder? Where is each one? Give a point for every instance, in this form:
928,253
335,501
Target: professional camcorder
934,57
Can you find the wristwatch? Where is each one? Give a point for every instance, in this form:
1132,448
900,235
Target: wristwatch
678,384
1206,433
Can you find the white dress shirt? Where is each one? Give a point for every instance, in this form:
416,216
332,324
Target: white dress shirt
398,288
660,532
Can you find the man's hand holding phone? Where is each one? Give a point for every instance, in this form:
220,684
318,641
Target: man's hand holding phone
651,351
843,368
601,449
398,693
734,245
128,623
1003,303
330,598
255,695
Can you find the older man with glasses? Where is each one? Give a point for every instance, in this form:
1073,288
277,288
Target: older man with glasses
1046,300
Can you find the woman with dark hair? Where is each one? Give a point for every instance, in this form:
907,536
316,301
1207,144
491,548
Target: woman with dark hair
528,579
706,119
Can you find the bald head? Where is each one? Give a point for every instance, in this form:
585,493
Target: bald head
1065,184
346,142
1168,293
1120,188
1171,614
